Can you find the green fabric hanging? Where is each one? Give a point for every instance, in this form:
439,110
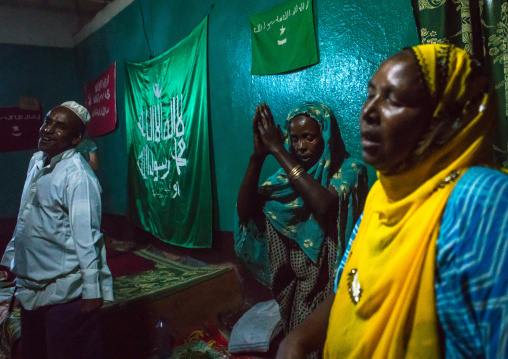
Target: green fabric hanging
481,28
166,108
283,38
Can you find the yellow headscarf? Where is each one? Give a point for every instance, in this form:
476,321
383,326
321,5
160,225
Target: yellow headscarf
385,303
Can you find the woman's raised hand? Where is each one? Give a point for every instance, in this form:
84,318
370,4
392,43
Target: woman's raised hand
264,125
260,149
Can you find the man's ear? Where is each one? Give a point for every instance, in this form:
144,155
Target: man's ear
77,139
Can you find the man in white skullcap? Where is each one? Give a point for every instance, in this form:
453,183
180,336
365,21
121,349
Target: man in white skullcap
57,251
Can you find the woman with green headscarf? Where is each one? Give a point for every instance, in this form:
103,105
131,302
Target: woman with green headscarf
291,230
425,272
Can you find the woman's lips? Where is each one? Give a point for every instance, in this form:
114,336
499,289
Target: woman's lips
369,143
370,140
306,161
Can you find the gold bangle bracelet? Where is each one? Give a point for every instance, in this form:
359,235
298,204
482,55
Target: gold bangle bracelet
298,175
294,171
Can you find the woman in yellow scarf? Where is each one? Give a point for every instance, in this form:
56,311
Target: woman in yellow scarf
425,274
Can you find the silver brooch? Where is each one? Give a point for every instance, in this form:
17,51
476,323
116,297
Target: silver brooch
354,288
452,176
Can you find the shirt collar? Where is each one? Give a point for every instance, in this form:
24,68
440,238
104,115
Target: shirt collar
40,158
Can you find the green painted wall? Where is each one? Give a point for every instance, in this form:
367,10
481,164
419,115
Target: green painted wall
353,38
43,72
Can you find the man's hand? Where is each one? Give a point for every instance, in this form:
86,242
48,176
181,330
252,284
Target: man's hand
6,275
91,305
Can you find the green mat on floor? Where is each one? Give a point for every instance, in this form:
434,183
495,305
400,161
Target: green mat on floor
169,277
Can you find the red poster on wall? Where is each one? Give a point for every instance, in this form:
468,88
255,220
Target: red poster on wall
100,95
19,129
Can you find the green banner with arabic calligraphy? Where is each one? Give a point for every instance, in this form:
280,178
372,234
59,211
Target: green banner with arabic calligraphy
283,38
168,143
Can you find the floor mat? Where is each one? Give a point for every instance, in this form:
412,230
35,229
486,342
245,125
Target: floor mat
168,277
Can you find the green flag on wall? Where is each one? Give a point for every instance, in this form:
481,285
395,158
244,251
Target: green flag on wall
168,145
283,38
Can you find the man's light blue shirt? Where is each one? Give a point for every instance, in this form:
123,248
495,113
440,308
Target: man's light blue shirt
57,251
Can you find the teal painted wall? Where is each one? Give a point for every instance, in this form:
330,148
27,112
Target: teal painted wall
43,72
353,39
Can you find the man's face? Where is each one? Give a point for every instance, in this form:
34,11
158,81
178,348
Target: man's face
60,131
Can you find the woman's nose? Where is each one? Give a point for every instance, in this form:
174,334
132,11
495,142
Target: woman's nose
300,145
369,111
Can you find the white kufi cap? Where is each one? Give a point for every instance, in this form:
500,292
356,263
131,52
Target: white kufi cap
79,110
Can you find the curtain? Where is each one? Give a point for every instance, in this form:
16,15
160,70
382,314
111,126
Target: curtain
481,28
